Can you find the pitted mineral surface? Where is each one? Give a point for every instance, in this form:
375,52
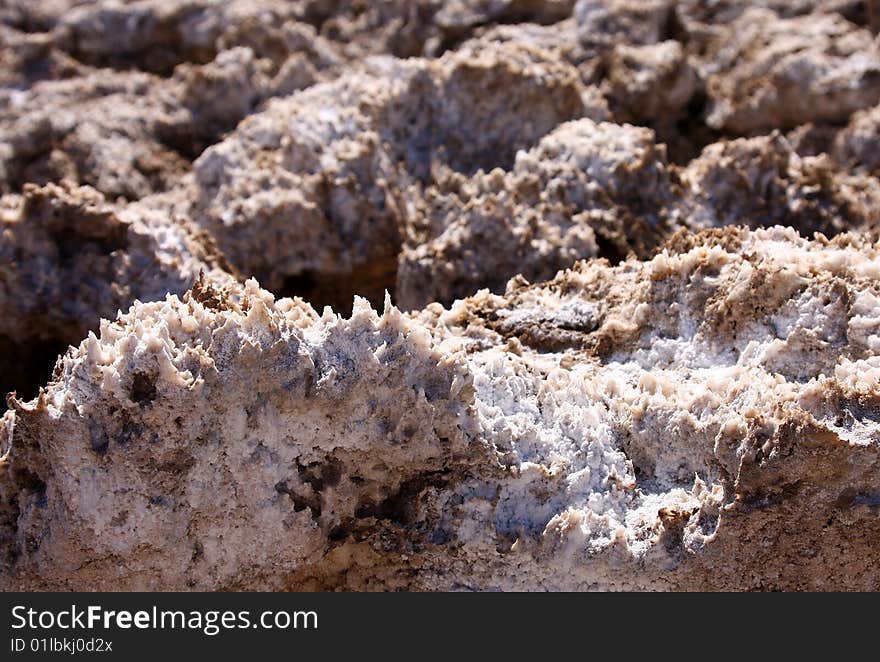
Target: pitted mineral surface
510,295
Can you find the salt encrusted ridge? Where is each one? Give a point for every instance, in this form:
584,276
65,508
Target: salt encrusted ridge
551,427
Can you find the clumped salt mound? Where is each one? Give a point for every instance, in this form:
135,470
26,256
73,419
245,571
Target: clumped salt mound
298,404
616,427
31,57
69,258
762,181
132,134
296,191
156,35
858,145
604,23
653,82
584,186
603,189
765,72
410,28
299,194
102,129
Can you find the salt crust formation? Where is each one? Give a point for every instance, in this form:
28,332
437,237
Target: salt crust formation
705,419
596,342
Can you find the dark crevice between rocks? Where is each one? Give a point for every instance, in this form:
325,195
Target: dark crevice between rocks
687,136
189,139
35,167
610,249
25,367
338,289
18,18
865,13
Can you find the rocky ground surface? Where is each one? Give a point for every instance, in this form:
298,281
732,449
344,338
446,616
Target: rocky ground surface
468,295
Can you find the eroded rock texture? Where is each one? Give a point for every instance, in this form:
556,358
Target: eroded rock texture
624,256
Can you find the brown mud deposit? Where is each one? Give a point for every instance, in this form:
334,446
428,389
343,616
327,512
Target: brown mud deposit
603,282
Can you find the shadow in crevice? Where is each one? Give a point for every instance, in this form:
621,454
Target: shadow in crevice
338,289
25,367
